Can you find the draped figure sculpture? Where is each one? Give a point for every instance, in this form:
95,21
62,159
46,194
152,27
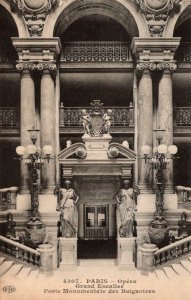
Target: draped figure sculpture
127,209
68,208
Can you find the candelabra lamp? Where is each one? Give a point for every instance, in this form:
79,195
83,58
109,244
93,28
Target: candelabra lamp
160,157
34,159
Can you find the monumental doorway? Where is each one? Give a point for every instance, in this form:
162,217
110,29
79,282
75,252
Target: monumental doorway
96,168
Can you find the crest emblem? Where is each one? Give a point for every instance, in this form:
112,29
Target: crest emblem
96,118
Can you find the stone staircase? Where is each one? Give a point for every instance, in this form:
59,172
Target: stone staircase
10,268
14,269
176,270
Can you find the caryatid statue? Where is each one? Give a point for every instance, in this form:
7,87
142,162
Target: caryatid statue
68,208
127,209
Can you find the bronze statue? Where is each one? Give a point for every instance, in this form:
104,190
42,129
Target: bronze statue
127,209
68,208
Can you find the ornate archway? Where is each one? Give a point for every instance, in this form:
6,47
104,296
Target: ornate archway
123,12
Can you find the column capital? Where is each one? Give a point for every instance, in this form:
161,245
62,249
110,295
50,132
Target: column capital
146,65
25,66
49,66
167,66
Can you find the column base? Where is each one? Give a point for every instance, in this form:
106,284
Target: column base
47,190
24,190
144,189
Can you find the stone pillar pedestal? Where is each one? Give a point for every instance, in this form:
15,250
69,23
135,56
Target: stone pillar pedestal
96,146
125,252
54,243
148,251
139,254
46,258
145,129
69,252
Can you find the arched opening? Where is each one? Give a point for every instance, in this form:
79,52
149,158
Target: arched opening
107,76
9,100
95,28
182,98
8,30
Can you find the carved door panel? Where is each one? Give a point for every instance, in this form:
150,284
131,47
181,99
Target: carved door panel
96,222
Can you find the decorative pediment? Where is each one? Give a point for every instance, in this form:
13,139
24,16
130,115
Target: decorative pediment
78,150
117,150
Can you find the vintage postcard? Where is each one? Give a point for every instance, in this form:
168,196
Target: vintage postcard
95,149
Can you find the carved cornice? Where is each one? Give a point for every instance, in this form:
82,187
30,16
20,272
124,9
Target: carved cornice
34,13
156,13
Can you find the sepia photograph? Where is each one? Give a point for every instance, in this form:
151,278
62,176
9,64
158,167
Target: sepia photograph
95,149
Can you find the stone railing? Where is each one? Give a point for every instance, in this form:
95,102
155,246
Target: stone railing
96,52
172,251
183,53
72,116
19,251
42,257
184,196
8,198
182,116
9,117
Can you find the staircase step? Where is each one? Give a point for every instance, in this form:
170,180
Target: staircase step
97,262
6,265
186,264
2,259
180,270
24,273
170,273
161,275
152,276
33,275
14,270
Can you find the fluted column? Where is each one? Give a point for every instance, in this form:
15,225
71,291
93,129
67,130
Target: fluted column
27,117
165,116
145,126
48,123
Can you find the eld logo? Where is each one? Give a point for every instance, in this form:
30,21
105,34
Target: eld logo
9,289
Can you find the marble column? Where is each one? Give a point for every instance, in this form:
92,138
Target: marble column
165,120
145,129
48,123
27,121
